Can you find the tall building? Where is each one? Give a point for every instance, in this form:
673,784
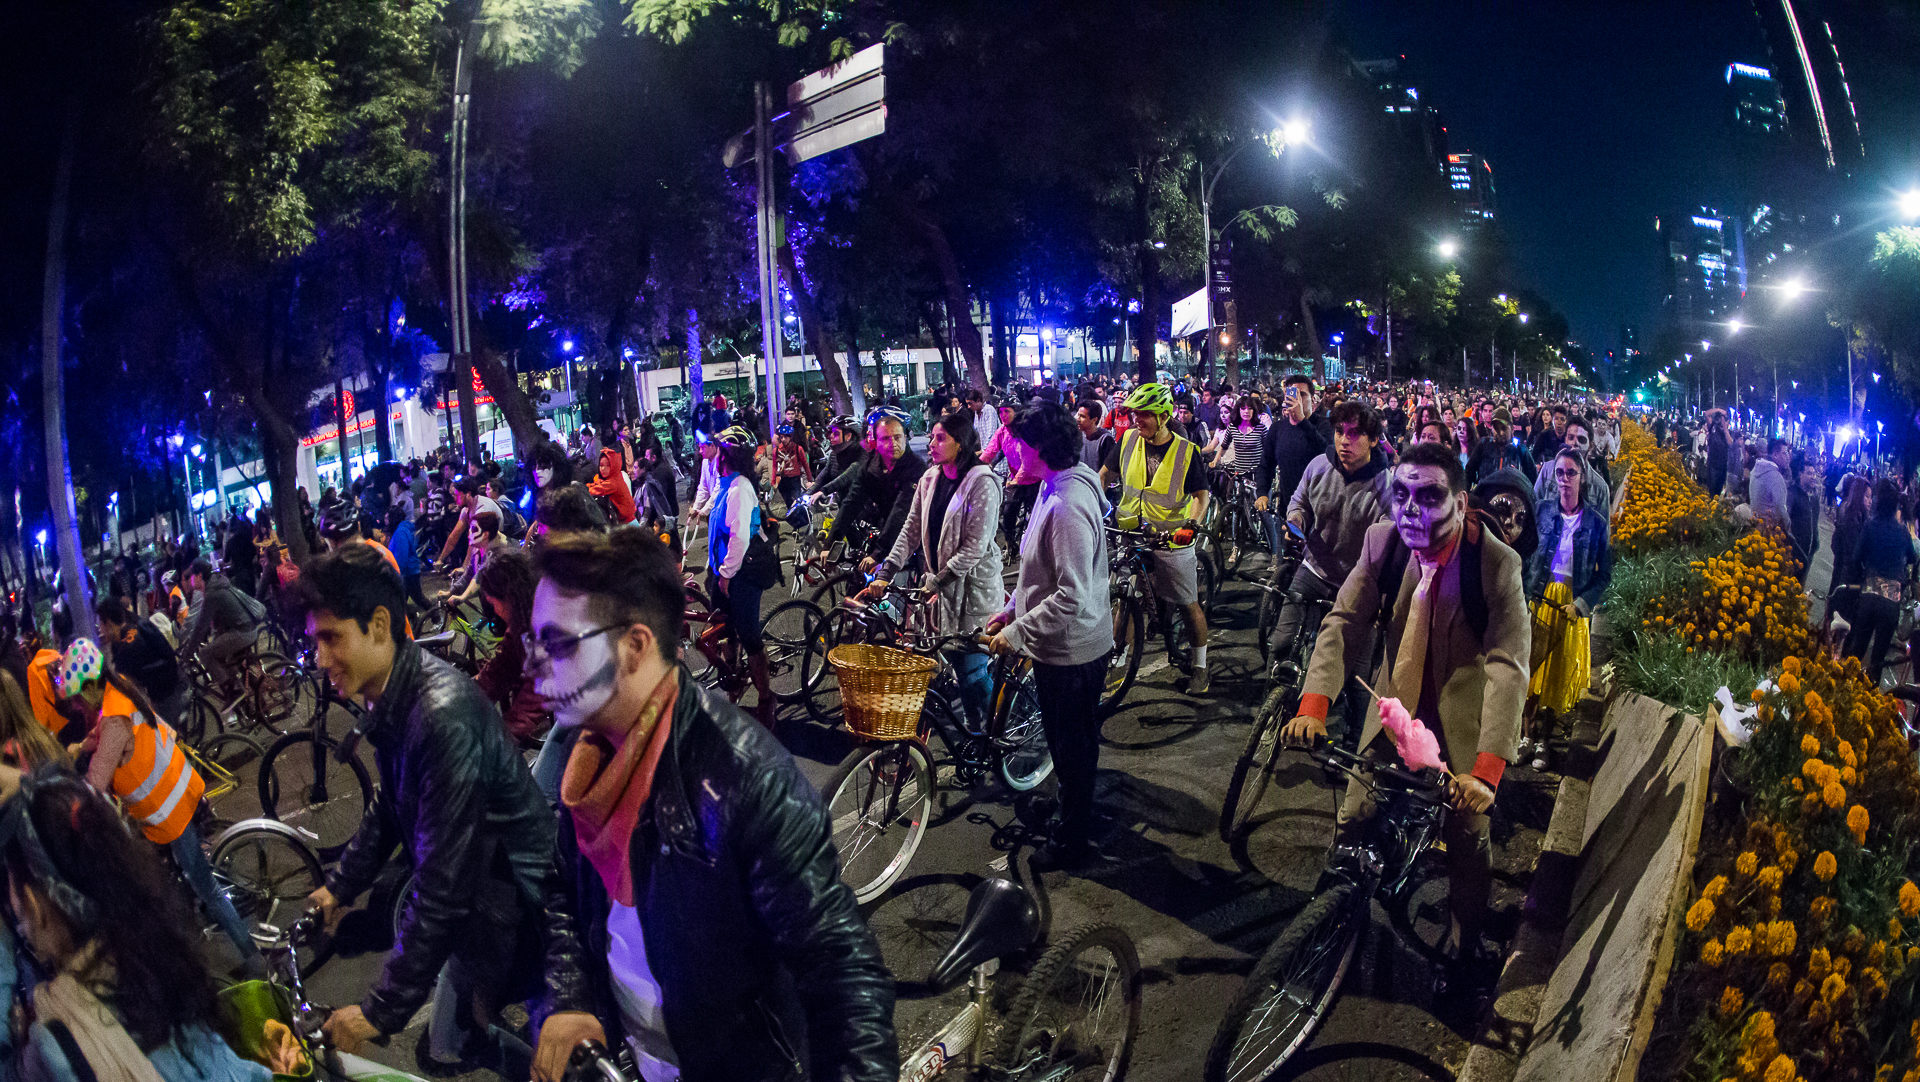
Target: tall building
1417,119
1471,178
1759,113
1706,277
1821,119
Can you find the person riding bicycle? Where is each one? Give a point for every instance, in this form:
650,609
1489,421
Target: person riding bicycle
455,799
224,623
740,560
1023,479
1163,488
484,542
106,978
791,470
1339,498
956,508
1457,633
139,651
844,437
698,916
136,756
882,490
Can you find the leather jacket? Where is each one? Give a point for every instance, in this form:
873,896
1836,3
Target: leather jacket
459,800
766,968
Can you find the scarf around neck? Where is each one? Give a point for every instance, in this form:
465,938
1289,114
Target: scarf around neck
607,783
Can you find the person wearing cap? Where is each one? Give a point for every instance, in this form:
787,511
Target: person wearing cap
1164,489
136,756
1499,452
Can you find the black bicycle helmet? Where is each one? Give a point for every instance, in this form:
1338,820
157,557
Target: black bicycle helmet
339,520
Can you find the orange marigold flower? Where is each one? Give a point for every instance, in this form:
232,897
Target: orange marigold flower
1780,1070
1909,900
1834,794
1731,1000
1818,962
1845,751
1824,866
1821,908
1833,988
1746,863
1809,745
1715,888
1778,974
1769,877
1782,936
1699,915
1739,940
1711,952
1857,823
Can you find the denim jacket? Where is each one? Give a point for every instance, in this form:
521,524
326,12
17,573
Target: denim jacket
1592,569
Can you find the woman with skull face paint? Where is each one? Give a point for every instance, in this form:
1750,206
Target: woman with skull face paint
735,525
1569,573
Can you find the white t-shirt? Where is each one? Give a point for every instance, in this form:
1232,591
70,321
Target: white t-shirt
638,995
1563,555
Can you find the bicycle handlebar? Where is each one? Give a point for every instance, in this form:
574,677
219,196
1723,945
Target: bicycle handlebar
1420,785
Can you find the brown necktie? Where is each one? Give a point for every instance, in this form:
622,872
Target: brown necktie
1410,662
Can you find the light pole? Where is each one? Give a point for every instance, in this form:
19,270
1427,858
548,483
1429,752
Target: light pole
1277,140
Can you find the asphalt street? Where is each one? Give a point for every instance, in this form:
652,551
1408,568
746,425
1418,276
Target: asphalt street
1199,912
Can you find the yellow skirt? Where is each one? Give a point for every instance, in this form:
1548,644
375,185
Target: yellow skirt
1562,651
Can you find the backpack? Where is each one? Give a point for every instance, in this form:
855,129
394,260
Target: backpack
1473,594
512,523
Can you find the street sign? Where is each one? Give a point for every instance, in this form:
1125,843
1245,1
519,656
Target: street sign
1190,314
838,106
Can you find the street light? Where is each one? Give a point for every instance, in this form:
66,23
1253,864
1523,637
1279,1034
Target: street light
1291,132
1523,317
1791,289
1909,204
1734,325
1448,248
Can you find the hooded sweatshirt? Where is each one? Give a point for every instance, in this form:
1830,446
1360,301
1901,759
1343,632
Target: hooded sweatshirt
615,488
1767,492
1059,613
1339,507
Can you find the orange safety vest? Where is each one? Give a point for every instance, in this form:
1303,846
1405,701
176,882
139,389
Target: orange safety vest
159,788
40,690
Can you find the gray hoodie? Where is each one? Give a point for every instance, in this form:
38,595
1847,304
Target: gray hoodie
1767,492
1060,611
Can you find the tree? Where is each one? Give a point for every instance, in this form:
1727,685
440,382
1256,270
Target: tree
53,407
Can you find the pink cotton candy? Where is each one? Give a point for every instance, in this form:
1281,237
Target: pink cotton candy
1415,742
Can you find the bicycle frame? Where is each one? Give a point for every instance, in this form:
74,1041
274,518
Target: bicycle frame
960,1042
1411,808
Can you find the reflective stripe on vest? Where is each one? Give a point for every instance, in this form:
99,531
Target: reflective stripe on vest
1159,502
156,784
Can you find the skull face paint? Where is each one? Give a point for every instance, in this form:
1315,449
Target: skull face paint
579,686
1424,510
542,476
1510,514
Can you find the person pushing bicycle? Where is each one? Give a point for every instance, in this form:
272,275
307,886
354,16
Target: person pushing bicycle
1163,488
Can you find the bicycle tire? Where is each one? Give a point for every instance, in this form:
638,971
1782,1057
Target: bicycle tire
823,691
231,752
1254,769
1035,1043
838,588
274,685
1022,754
267,873
1206,581
318,799
789,630
199,718
1129,642
879,790
1330,924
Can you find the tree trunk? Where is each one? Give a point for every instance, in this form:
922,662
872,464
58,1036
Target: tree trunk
861,404
815,330
1147,330
1313,339
522,419
954,287
949,374
382,411
53,301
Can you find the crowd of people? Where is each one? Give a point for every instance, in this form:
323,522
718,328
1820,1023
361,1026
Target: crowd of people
663,875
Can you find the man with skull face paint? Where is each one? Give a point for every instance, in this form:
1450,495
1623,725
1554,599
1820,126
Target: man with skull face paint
698,915
1469,691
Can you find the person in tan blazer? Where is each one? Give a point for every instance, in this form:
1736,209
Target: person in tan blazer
1468,689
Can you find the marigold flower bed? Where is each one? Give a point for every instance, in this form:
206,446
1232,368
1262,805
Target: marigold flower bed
1801,955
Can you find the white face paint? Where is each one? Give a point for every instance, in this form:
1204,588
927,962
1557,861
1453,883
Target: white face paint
576,688
542,476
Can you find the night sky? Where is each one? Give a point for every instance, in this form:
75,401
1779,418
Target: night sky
1598,118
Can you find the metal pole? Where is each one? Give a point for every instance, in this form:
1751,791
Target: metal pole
768,226
1206,268
460,346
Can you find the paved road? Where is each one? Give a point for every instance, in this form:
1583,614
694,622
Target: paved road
1199,913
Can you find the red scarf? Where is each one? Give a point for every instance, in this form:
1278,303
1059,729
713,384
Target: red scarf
606,784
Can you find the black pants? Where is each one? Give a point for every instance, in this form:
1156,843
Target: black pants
414,593
1069,697
1015,510
1874,620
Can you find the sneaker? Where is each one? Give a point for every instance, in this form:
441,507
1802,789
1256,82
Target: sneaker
1197,683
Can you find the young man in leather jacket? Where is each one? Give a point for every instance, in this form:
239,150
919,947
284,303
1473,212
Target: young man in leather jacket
455,797
698,915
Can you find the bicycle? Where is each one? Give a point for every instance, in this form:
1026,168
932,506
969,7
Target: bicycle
1134,599
1074,1013
1273,593
1238,529
880,797
315,783
1286,678
1294,984
264,690
267,870
712,651
216,760
458,633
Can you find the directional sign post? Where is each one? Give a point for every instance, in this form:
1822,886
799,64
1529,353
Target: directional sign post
830,109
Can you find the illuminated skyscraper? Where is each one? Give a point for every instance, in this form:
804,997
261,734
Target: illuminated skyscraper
1821,119
1759,114
1706,276
1471,178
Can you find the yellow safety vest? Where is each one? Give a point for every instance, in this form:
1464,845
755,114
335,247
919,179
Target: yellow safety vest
1158,502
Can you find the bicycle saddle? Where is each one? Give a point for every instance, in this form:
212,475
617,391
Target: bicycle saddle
1001,918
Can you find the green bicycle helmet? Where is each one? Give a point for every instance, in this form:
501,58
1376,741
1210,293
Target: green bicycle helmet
1151,398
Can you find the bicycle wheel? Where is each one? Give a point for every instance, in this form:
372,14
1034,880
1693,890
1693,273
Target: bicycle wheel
837,589
1254,769
1233,540
304,785
1076,1014
1025,760
1129,642
199,718
879,801
790,630
1289,991
275,689
233,753
1206,580
267,874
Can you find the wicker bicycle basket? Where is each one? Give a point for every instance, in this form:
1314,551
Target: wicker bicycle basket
882,689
